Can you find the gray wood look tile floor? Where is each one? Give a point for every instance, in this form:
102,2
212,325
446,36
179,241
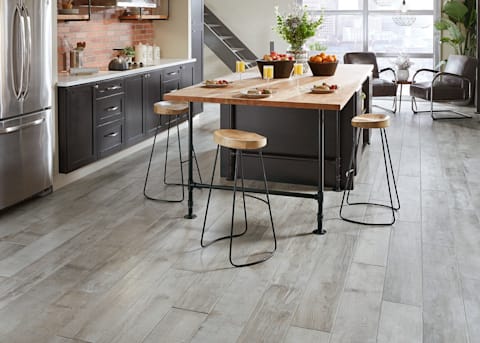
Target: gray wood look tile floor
97,262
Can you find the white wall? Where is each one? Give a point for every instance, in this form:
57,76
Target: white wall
213,67
173,35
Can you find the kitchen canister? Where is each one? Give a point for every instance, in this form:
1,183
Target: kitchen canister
149,55
141,53
156,54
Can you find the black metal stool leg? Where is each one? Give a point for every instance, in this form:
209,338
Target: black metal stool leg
239,165
268,201
165,165
350,172
202,242
150,160
270,253
391,168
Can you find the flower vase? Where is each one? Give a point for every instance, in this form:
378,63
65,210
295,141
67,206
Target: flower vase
300,55
402,74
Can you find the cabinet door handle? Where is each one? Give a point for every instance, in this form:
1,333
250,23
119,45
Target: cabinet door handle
111,109
147,76
111,134
172,73
112,88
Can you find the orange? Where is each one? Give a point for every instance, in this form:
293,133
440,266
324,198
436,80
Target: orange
318,59
322,54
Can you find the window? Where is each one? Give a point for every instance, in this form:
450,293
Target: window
368,25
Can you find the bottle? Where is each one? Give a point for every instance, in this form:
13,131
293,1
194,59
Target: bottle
140,53
156,54
149,55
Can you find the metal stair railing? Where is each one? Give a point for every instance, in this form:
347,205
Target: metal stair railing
224,43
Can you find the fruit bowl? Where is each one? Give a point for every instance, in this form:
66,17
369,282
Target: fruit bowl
323,68
281,68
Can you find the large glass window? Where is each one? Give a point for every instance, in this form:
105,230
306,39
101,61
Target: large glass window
369,25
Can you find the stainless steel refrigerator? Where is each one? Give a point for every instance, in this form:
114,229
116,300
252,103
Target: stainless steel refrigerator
25,99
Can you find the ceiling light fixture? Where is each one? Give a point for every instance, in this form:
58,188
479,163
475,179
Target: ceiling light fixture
383,3
403,19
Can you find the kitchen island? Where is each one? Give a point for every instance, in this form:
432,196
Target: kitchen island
287,100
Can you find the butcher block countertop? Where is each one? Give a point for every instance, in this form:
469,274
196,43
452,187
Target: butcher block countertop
348,77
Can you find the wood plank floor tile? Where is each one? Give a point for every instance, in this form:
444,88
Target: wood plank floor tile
372,246
400,323
9,248
233,310
204,294
271,318
404,265
326,284
359,310
472,307
443,307
296,334
176,327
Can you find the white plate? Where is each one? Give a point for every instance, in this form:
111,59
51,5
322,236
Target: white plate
245,94
68,11
215,85
322,91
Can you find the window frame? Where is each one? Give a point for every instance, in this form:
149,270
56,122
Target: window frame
365,12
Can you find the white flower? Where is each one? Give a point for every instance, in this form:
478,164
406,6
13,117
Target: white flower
402,62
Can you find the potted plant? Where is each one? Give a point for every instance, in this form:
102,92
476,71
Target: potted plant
296,27
459,21
402,64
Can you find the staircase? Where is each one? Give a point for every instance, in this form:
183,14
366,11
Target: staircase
224,43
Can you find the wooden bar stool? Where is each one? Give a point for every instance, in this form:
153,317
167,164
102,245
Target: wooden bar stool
239,141
371,121
169,108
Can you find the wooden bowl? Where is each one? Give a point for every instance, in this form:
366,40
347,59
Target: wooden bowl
281,69
323,69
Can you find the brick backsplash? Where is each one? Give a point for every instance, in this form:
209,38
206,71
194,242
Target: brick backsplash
102,33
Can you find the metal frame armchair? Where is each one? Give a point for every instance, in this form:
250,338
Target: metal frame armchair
380,87
455,84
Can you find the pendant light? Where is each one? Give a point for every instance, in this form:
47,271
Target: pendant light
403,19
383,3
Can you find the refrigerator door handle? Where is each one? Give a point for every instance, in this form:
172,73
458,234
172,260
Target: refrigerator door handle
17,80
27,51
16,128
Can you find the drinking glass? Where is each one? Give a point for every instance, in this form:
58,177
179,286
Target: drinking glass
297,72
268,73
240,68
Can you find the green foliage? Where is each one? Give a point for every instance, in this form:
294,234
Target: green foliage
459,21
296,27
129,51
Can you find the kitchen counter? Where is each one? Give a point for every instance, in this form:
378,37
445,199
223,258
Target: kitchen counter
67,80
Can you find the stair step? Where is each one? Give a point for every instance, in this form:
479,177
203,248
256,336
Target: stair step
237,49
225,37
213,25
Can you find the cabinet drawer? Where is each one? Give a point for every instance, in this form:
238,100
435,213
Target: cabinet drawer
109,138
170,86
171,73
107,88
108,109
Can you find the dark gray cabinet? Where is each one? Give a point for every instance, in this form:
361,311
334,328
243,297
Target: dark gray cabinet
99,119
142,91
76,139
108,110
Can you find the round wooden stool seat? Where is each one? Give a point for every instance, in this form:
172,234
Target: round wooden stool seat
238,139
371,121
170,108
